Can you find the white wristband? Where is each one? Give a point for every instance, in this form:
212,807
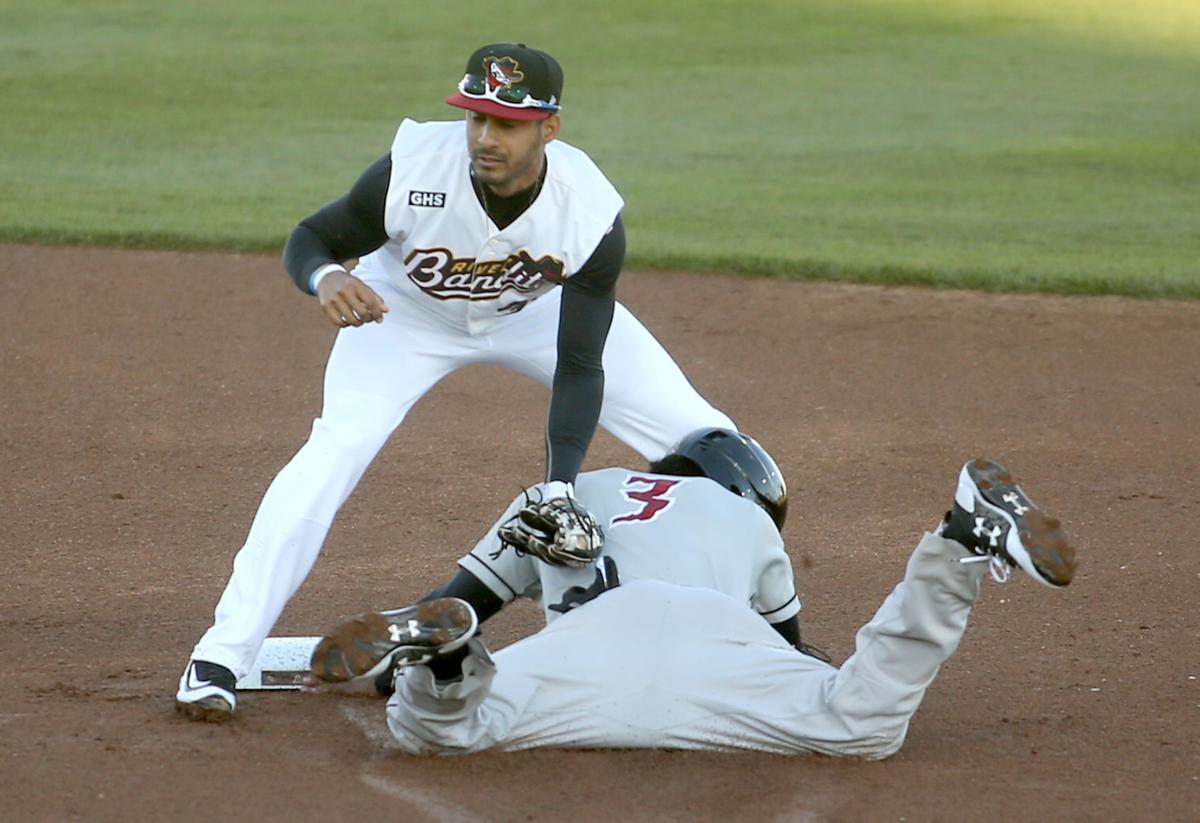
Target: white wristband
557,488
316,277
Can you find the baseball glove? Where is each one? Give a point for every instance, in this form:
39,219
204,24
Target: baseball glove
558,531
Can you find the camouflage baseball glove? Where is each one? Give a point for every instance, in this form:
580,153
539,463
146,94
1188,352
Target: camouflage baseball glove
557,530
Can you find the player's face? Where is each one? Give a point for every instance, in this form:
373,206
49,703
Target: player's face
507,154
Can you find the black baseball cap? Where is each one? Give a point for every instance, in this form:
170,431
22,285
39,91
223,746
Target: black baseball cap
510,80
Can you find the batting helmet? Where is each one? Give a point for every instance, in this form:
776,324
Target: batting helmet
738,463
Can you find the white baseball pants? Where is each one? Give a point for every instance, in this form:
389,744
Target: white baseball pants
654,665
375,374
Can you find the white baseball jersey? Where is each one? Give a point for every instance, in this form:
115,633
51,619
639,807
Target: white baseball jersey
728,544
445,252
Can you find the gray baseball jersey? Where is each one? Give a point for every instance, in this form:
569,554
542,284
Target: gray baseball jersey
731,545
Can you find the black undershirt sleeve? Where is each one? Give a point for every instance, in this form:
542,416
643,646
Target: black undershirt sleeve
789,629
347,228
470,588
589,298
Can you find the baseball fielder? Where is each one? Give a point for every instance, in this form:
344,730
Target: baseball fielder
683,659
485,240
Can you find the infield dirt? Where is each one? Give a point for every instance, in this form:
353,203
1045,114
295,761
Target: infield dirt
149,398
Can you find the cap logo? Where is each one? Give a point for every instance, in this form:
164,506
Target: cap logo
502,72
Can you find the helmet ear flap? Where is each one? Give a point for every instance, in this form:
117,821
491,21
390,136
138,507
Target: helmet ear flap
738,463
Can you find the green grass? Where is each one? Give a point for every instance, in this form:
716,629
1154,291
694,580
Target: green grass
993,144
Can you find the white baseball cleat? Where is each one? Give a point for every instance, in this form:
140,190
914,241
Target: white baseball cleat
373,643
207,691
996,520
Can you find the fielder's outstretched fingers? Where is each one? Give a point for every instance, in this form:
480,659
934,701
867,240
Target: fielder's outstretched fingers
335,308
362,310
350,315
335,317
348,301
367,304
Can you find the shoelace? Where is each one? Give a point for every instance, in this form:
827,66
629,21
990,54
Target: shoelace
998,569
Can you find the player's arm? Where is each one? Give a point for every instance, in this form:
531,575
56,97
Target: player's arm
347,228
775,595
466,586
789,629
491,575
588,301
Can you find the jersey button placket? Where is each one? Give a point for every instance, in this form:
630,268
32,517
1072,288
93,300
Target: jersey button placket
481,311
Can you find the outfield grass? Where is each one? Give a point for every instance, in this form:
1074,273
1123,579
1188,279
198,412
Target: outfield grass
988,143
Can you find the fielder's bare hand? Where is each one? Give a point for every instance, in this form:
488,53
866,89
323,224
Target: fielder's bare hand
348,301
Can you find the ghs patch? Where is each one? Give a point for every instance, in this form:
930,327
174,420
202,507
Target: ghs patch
428,199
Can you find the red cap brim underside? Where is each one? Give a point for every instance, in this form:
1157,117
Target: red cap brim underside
491,107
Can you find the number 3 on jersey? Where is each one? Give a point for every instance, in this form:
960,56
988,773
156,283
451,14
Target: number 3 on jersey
652,494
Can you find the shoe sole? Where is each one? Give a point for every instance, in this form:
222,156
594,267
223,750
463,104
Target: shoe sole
1033,540
365,646
207,709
